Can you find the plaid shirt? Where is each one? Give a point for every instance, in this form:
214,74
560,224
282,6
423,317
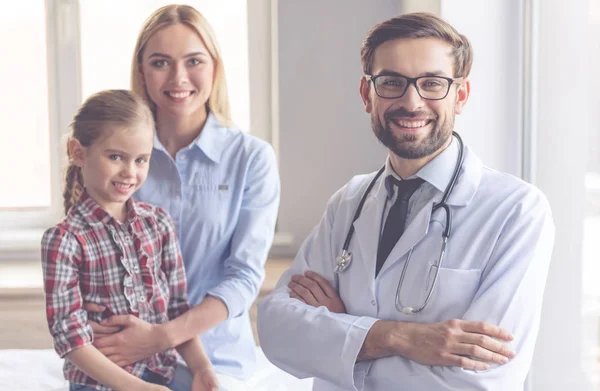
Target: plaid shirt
130,268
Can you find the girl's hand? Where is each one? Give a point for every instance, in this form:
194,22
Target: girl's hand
205,380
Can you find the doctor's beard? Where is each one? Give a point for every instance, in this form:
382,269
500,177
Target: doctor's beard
404,145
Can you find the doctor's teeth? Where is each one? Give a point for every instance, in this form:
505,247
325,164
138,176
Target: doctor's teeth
412,124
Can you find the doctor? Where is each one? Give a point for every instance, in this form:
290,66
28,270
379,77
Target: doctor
398,310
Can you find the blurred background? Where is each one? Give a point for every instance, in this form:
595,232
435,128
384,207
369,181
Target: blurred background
293,70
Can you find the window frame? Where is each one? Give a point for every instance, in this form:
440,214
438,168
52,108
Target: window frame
21,228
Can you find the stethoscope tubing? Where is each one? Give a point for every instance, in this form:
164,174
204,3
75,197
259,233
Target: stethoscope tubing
343,261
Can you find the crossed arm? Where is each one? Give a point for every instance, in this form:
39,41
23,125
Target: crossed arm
459,343
305,315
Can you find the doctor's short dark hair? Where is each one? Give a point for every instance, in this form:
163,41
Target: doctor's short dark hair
418,25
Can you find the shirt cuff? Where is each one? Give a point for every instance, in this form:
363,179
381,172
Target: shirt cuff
66,342
233,302
354,341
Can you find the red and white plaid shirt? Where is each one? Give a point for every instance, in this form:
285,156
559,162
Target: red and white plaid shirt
133,267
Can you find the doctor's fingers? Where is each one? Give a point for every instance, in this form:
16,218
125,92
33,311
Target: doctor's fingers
454,360
491,330
293,295
487,343
304,294
323,283
312,286
498,355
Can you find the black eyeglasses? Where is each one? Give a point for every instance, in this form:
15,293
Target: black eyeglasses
428,87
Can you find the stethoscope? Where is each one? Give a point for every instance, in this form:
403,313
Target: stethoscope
345,258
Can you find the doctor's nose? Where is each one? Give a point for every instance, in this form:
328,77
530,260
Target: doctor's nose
411,99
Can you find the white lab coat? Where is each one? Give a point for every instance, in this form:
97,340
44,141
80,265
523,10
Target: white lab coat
494,270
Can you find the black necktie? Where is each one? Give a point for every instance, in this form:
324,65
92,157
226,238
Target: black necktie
396,219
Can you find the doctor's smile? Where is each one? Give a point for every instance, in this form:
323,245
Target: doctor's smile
408,122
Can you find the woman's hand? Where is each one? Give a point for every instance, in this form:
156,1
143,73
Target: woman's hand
136,340
205,380
313,289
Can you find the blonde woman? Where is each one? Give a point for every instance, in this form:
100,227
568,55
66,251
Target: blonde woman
220,185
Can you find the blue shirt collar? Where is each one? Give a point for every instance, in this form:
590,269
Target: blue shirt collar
210,140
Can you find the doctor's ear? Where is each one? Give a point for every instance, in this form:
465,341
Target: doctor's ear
76,152
462,95
365,94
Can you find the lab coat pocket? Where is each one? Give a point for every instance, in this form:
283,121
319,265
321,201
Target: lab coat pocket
453,292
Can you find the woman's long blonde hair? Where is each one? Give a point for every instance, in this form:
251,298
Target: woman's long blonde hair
218,102
99,114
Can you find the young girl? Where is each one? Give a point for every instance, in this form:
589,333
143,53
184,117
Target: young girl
115,252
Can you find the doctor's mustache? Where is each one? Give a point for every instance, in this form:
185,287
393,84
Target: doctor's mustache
402,112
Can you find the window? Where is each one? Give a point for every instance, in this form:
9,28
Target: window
29,151
26,135
69,49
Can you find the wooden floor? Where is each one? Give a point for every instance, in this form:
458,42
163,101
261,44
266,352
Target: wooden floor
22,314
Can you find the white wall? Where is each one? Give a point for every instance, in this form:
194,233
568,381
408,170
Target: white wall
325,136
568,105
491,122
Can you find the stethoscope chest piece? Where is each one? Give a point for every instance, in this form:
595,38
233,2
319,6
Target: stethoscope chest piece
343,261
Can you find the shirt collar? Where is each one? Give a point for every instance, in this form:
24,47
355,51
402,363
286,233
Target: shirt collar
96,216
437,172
210,140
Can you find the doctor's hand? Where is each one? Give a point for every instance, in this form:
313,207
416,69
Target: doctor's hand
459,343
313,289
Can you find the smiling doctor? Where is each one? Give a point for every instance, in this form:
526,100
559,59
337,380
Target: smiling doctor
429,274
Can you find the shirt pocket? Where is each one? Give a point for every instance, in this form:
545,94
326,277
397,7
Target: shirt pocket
212,206
453,292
